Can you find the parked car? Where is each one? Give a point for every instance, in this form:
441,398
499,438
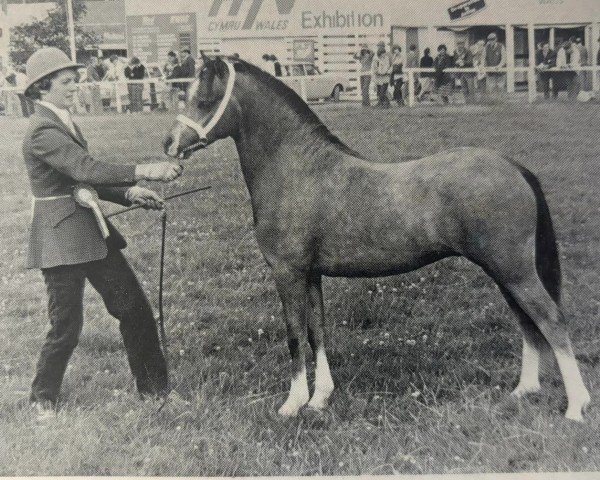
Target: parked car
318,85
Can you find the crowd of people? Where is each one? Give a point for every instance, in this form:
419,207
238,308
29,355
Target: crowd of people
95,97
384,71
381,71
569,55
131,94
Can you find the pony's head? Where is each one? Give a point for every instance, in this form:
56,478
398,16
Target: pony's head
211,110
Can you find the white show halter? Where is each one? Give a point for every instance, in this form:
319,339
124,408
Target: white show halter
204,130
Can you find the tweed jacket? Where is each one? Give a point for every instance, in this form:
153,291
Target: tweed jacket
63,232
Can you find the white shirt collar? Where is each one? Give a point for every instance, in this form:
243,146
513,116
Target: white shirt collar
63,114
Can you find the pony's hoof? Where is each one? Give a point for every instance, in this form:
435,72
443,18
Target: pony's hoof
576,416
575,413
317,403
523,390
288,410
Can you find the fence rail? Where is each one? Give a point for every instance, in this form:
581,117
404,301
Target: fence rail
159,89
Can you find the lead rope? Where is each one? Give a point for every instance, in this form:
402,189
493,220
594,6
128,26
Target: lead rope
161,274
161,315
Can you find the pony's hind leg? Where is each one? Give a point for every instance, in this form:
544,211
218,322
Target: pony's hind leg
316,337
294,298
534,344
534,300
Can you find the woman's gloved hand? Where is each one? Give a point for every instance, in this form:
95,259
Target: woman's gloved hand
145,197
161,171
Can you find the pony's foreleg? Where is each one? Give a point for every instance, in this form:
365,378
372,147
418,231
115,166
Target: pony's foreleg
316,338
294,297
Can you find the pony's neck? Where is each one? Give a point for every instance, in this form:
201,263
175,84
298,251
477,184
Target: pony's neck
278,132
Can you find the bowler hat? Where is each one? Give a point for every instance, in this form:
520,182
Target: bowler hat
492,35
46,61
381,44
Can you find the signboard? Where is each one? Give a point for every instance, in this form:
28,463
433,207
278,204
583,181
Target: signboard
466,9
108,34
304,51
151,37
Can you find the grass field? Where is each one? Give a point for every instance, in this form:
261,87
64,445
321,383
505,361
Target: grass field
423,363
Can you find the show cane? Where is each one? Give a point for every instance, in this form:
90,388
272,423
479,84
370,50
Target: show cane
88,197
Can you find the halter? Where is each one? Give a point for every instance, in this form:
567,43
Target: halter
204,130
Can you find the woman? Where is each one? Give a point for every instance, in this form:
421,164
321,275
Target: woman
171,71
135,71
66,242
443,80
426,77
381,69
396,76
114,73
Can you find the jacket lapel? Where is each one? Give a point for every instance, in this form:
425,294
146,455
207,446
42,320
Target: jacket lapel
50,115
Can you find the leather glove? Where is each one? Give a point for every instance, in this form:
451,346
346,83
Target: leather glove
161,171
148,199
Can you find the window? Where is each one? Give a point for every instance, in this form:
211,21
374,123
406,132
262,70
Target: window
311,70
297,70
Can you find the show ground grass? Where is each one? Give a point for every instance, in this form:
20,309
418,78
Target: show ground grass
423,363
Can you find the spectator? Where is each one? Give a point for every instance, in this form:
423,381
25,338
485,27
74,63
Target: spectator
365,58
584,60
478,51
171,71
100,67
494,56
135,71
396,75
443,80
412,61
574,59
276,66
114,73
426,77
562,80
463,58
545,59
381,70
93,97
187,69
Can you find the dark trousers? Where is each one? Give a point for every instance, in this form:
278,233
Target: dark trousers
397,95
114,280
365,82
382,97
136,91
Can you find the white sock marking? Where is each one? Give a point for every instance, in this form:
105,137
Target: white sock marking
297,397
323,381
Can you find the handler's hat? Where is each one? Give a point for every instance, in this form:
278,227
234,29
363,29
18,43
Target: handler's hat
492,36
45,61
381,44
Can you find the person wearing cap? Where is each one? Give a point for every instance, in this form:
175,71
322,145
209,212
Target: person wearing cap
397,76
463,58
494,56
365,58
66,241
381,70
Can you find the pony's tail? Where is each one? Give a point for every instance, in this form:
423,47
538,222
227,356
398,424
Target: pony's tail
547,261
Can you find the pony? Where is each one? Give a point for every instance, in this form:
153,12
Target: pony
321,208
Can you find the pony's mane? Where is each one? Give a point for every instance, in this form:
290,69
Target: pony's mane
295,102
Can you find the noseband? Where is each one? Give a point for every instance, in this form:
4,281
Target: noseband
204,130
